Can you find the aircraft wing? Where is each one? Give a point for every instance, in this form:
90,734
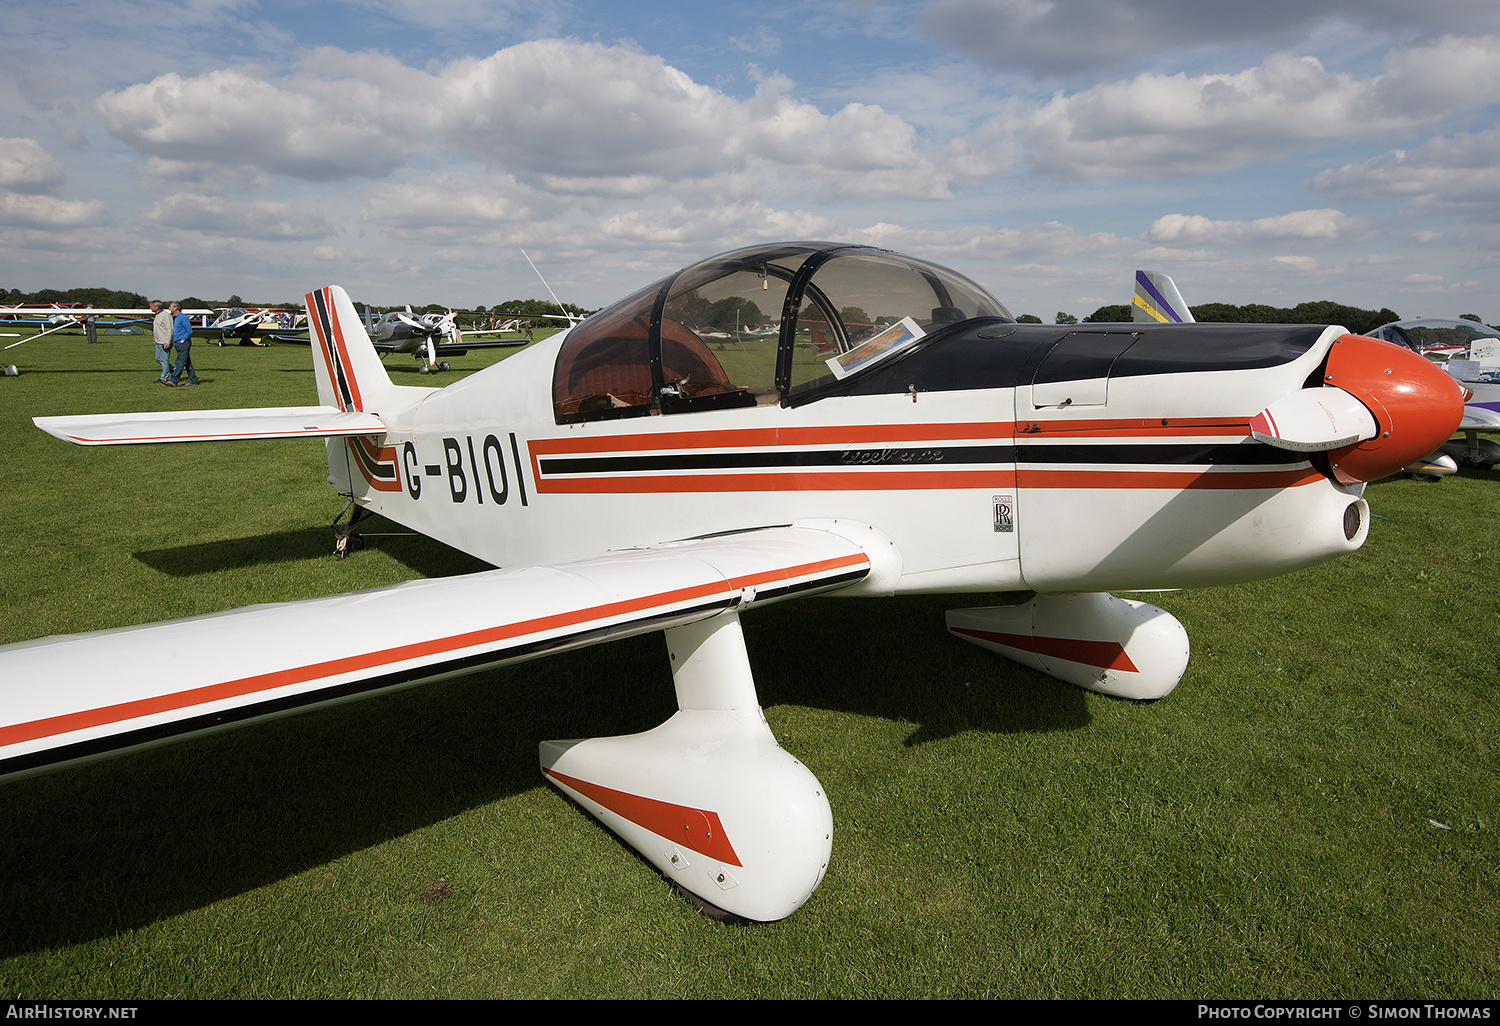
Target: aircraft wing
210,425
459,348
80,697
441,348
1478,418
470,339
88,311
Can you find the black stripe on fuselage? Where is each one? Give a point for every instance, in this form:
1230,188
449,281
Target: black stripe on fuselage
1243,454
874,456
1144,453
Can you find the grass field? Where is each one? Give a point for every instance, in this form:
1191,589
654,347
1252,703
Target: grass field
1271,829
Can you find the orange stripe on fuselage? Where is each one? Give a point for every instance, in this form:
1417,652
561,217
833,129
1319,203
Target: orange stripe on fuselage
378,457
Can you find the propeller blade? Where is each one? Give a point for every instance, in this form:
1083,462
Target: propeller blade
1314,420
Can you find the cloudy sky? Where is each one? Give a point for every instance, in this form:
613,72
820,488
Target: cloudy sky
1272,152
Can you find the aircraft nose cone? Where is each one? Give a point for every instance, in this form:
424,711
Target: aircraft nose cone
1416,405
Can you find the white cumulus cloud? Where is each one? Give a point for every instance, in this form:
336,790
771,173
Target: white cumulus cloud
1164,126
1065,36
1196,230
26,167
547,110
264,219
1455,175
22,210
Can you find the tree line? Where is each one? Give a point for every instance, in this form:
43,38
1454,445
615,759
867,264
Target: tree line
1321,311
102,298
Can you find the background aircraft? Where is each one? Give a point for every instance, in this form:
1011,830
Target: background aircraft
427,337
235,322
629,481
404,332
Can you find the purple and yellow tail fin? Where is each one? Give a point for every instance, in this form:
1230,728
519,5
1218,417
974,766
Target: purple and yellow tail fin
1157,299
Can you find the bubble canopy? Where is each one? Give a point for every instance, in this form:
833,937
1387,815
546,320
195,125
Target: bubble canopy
1431,333
756,326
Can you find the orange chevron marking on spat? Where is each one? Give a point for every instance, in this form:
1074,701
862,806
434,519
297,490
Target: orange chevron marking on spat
695,829
1108,655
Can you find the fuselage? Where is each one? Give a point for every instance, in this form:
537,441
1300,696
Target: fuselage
998,457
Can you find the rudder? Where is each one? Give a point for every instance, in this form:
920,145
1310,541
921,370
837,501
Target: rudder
350,375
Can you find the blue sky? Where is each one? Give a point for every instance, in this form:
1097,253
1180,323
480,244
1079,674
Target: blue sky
1275,152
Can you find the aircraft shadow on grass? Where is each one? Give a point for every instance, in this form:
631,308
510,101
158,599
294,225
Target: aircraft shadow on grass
158,833
422,555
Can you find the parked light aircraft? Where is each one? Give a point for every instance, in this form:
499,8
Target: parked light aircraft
238,323
422,336
627,480
404,332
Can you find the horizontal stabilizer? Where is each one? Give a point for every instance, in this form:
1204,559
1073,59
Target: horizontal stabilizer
210,425
76,698
1314,420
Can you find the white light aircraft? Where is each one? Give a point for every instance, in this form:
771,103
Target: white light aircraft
236,322
625,480
405,332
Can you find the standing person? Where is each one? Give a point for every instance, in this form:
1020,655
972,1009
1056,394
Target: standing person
161,340
88,327
182,341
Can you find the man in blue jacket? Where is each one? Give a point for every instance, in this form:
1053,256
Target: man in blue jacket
182,341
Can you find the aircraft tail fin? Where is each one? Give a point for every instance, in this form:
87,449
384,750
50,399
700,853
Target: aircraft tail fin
1157,299
350,375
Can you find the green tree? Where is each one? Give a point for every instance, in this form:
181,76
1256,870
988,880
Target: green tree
730,312
1028,319
1065,318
